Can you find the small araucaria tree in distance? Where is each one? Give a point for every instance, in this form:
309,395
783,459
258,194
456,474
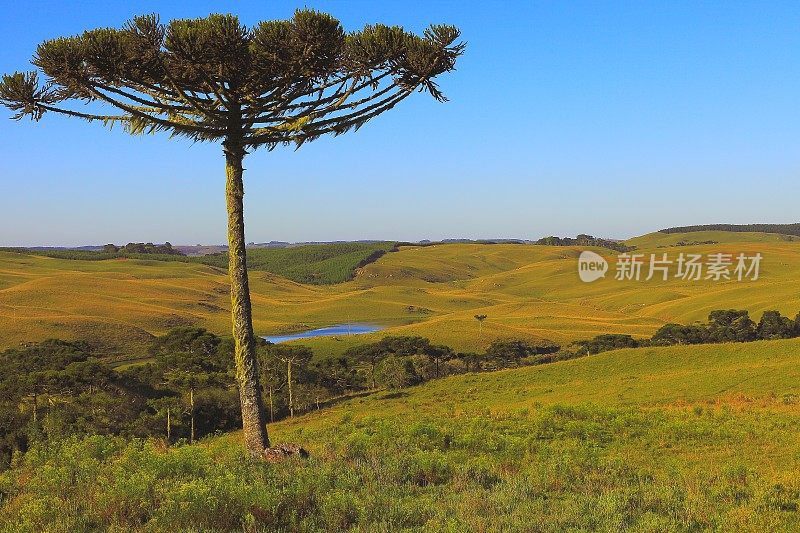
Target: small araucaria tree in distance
480,319
282,82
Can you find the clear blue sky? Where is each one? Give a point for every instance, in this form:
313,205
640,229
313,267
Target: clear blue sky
613,118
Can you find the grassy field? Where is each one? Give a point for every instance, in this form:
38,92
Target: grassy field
526,291
657,238
680,438
664,439
318,264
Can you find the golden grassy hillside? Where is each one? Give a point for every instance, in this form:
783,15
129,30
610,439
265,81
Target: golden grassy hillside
763,374
526,291
657,238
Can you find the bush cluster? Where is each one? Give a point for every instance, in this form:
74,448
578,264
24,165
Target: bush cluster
55,388
729,325
187,389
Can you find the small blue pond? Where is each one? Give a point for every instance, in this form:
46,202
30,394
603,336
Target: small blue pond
341,329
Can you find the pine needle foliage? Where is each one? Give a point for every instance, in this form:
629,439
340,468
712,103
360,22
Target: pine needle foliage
278,82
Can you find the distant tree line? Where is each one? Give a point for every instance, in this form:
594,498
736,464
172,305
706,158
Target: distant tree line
142,248
584,240
295,380
396,362
160,252
785,229
723,326
688,243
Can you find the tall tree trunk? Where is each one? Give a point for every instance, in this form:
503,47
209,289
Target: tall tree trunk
254,420
191,415
289,382
271,406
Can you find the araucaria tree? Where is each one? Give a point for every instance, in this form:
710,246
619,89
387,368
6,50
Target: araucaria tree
282,82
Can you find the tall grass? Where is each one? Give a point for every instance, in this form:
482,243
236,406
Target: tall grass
549,469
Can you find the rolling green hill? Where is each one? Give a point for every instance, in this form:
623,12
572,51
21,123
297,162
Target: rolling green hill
316,264
660,239
664,439
680,438
526,291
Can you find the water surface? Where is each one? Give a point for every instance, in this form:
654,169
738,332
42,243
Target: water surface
341,329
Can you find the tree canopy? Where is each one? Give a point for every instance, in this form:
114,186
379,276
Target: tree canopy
278,82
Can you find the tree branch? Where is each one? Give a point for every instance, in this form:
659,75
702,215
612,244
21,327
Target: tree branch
184,128
337,106
371,81
143,101
363,115
85,116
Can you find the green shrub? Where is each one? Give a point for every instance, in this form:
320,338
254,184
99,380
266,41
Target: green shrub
560,468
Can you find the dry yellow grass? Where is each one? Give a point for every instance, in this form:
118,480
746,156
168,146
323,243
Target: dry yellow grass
435,291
